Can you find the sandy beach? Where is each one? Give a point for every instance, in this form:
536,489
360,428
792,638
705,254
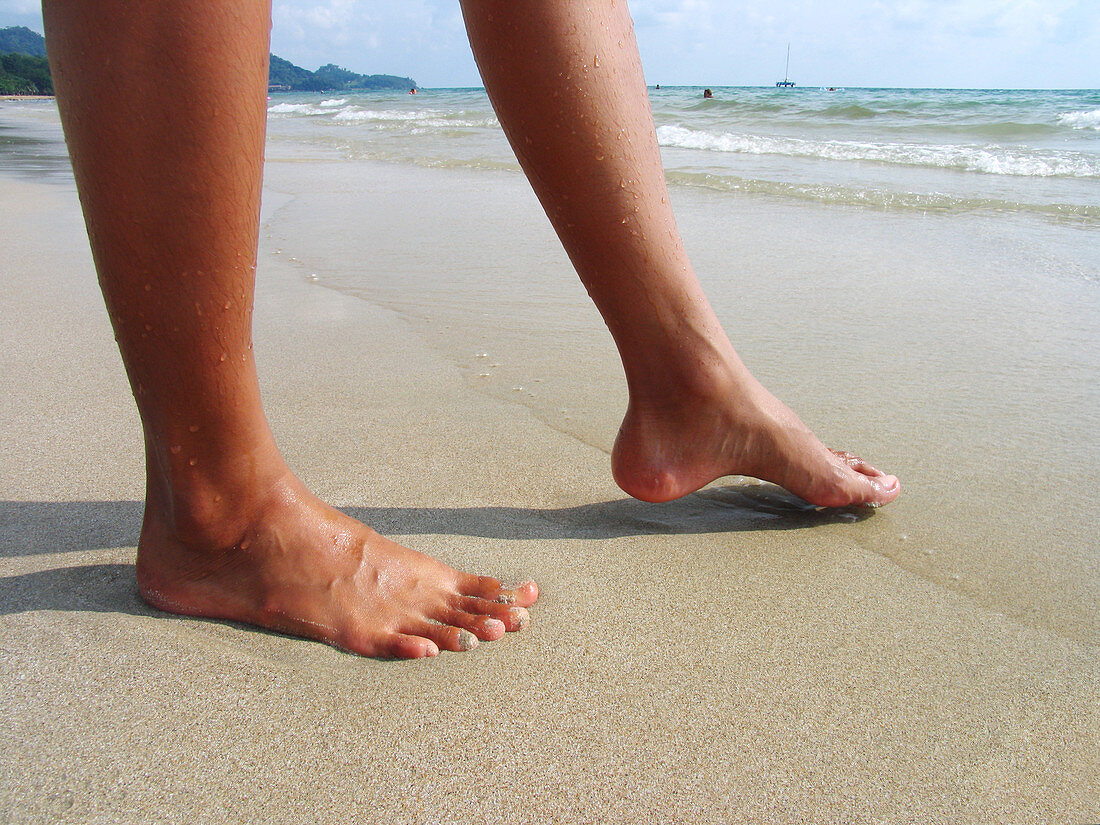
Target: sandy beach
731,657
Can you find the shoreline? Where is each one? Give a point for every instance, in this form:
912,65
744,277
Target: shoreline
728,657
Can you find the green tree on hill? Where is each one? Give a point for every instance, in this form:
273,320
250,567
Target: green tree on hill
21,74
22,40
23,66
284,75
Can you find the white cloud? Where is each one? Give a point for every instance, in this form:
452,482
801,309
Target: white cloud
716,42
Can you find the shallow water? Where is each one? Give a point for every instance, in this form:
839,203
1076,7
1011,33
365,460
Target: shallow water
954,151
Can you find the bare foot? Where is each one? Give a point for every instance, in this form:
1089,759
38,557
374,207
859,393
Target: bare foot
295,565
676,440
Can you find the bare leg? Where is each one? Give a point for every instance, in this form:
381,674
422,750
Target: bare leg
566,82
164,111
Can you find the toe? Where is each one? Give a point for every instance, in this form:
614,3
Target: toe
513,617
408,646
854,462
486,587
453,638
523,596
485,627
868,485
887,489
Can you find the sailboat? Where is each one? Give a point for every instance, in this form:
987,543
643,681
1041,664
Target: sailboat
786,82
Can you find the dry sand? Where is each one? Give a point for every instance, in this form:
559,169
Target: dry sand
728,658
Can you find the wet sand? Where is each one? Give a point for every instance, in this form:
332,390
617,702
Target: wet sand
730,657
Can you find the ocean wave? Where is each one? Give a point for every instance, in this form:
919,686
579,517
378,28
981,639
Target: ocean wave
993,160
851,111
295,109
353,113
1081,120
416,122
881,198
331,104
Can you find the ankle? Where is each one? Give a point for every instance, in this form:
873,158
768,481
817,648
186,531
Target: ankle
695,374
211,504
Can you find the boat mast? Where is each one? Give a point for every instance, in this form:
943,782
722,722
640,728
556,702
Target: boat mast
786,82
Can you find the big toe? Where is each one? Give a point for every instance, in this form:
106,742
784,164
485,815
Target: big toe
873,490
888,487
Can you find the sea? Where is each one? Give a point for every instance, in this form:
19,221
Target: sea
1034,153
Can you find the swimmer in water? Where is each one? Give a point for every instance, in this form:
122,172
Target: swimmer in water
708,94
170,188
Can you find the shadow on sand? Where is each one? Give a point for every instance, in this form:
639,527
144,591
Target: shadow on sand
31,528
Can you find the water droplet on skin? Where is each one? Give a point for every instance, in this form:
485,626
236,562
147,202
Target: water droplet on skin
222,357
192,461
596,61
227,305
217,499
194,428
175,449
517,389
245,543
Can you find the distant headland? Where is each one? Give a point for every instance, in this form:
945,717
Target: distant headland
284,76
24,70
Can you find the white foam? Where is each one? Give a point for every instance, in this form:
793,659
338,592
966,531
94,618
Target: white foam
351,113
293,109
994,160
331,104
1081,120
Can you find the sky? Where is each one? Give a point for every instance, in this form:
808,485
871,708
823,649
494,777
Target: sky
899,43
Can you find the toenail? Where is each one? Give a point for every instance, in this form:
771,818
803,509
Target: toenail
521,616
466,640
493,625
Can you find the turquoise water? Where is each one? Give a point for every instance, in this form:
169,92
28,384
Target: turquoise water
1028,152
